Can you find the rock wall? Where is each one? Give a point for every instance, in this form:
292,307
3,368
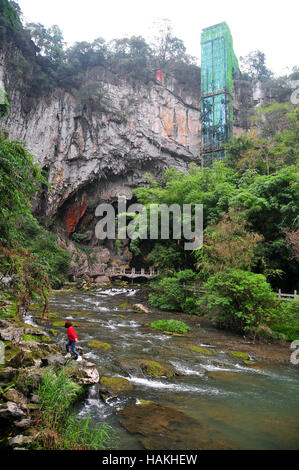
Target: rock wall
132,129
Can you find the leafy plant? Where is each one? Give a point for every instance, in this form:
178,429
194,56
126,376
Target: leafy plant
239,300
60,429
174,326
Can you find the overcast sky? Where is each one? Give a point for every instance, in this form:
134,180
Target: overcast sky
268,25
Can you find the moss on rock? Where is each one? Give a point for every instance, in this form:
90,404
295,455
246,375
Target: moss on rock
200,350
239,354
154,369
93,343
114,386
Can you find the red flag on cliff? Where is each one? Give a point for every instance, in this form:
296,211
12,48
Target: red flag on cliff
159,76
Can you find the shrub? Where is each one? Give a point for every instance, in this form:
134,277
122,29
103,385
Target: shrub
171,293
287,320
173,326
239,300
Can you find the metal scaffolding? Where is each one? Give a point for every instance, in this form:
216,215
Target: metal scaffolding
218,66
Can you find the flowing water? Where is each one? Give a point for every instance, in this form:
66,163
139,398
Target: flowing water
249,407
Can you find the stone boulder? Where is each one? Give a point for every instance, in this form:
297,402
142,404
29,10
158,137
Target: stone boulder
102,280
171,428
54,360
7,375
10,411
20,441
29,380
85,373
12,334
15,396
114,387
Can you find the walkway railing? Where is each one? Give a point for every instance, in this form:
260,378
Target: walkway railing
122,272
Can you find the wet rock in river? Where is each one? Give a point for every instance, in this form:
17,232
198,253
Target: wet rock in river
239,355
85,373
98,345
154,369
140,308
114,387
200,350
167,428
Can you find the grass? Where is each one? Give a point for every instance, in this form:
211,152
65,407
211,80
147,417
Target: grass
173,326
59,428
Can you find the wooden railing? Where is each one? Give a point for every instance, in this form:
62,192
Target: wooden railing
122,272
287,296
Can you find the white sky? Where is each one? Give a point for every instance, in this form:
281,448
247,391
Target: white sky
271,26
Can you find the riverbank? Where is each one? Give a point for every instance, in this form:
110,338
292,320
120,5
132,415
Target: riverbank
208,380
29,353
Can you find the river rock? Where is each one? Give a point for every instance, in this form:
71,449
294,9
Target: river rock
29,380
154,369
15,396
93,343
10,411
85,373
55,360
176,430
23,424
102,280
20,441
140,308
12,334
114,387
7,375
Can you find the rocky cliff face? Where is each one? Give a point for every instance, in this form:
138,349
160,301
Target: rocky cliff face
101,152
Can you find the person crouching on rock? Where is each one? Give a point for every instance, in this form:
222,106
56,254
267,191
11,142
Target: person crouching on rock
73,339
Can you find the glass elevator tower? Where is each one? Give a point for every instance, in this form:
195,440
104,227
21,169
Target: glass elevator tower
218,66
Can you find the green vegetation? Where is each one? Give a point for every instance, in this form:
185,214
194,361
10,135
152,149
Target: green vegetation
174,326
93,343
239,300
199,350
44,62
251,227
173,293
59,429
30,256
154,369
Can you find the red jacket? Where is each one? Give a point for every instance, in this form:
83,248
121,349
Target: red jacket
71,334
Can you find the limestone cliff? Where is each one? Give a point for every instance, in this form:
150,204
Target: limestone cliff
101,152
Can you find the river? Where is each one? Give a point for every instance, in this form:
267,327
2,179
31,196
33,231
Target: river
251,407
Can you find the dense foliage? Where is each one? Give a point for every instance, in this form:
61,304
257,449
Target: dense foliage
251,227
43,61
30,258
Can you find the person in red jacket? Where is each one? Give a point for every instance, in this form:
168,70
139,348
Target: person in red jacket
72,340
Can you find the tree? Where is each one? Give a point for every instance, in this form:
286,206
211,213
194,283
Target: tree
167,47
239,300
228,244
49,41
254,65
